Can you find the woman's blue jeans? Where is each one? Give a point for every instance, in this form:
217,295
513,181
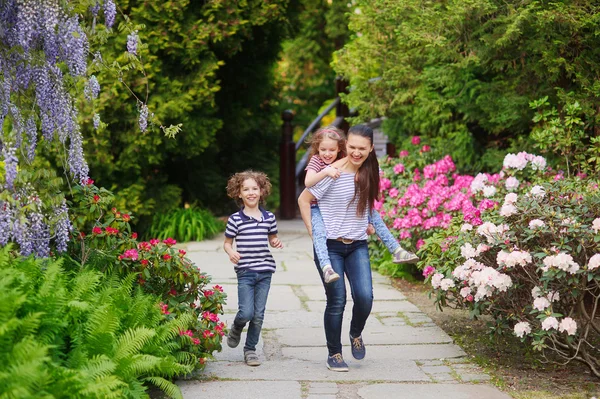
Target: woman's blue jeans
350,261
320,235
253,290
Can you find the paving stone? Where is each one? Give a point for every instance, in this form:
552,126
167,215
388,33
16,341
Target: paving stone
237,354
378,306
430,391
381,336
240,389
470,377
436,369
444,377
323,385
281,297
322,391
382,352
299,370
392,321
311,396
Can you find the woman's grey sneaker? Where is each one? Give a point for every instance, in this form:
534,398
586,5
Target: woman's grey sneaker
329,275
404,256
233,338
251,358
358,348
336,363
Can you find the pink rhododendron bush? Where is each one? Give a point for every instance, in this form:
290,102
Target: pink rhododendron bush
521,246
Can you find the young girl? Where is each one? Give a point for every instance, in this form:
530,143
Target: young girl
253,228
326,147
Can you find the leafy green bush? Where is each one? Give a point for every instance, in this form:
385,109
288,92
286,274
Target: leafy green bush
84,334
186,224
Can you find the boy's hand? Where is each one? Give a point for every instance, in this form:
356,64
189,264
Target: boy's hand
234,257
370,229
276,243
332,172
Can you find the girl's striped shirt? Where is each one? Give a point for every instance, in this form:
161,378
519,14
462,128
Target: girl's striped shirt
252,240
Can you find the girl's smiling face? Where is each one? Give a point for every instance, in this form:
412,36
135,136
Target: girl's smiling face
358,149
328,150
250,193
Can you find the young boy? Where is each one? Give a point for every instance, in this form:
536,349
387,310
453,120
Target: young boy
253,228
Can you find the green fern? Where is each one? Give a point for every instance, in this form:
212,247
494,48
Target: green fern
83,334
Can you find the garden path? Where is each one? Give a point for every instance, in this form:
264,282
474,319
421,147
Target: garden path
408,356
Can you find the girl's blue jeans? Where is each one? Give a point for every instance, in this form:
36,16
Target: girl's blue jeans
320,234
253,290
350,261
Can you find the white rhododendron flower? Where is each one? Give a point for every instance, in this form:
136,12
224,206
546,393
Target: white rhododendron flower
536,292
508,210
466,227
511,183
436,280
446,283
568,325
561,261
594,262
489,191
553,296
567,222
478,183
513,258
536,223
550,323
481,248
518,161
467,251
510,198
521,329
465,292
596,225
538,191
538,163
541,303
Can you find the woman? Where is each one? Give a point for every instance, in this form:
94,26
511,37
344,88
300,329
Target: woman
345,204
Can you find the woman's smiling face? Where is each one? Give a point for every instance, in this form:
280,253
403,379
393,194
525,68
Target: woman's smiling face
358,149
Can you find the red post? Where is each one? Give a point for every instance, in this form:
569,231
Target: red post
287,168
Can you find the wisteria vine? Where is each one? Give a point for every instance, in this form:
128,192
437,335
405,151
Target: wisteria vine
43,57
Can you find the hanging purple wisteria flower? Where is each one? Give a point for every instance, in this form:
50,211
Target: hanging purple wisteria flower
96,121
62,227
110,12
143,117
132,42
10,165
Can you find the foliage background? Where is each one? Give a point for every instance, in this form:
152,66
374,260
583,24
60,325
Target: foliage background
464,72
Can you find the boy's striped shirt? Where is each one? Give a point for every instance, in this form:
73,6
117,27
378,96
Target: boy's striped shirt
252,240
338,209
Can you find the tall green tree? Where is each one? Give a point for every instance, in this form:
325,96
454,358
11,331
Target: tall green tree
465,72
183,47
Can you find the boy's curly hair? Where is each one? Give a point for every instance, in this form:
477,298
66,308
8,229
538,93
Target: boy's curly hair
234,185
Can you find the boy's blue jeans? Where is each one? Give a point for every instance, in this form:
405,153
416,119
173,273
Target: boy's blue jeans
349,261
253,290
320,234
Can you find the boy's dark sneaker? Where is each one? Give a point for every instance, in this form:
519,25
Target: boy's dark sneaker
404,256
336,363
329,275
251,358
358,348
233,338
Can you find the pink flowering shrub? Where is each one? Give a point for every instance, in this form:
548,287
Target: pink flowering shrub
533,264
103,240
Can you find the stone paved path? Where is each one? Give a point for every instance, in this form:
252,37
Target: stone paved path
408,356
